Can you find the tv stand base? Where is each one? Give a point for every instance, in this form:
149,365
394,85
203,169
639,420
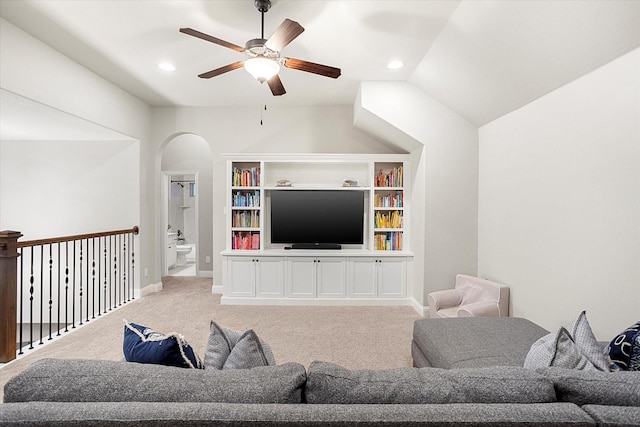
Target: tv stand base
316,246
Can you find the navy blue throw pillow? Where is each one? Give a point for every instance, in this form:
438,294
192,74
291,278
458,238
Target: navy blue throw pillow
144,345
623,352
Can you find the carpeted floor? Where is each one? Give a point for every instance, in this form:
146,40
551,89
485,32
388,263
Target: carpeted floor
354,337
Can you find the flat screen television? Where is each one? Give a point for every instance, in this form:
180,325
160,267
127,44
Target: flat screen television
317,219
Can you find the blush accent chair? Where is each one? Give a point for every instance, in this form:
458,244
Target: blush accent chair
470,297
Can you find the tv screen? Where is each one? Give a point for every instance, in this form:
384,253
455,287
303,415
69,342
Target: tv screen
317,216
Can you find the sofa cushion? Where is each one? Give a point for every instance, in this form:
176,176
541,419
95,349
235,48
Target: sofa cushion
331,383
144,345
623,352
595,387
614,415
229,349
58,380
480,341
169,414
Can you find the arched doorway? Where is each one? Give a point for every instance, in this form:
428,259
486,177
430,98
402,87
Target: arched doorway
187,206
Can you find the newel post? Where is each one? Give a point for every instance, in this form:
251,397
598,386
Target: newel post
8,294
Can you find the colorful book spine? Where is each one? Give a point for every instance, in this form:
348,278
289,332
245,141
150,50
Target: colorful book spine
246,177
391,241
246,219
389,200
245,240
388,219
246,199
391,178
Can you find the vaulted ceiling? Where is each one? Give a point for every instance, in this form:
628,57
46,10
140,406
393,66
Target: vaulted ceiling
482,59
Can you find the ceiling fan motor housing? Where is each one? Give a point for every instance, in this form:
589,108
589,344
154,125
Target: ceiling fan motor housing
256,47
263,5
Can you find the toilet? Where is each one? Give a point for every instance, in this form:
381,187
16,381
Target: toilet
181,254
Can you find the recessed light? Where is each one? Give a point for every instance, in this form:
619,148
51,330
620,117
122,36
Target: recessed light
394,65
166,66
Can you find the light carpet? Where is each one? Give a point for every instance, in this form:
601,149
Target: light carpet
354,337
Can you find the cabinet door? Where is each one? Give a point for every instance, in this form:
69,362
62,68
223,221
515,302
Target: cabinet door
362,274
391,277
269,277
241,275
330,277
301,277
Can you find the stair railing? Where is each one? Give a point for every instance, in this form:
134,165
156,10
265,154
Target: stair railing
51,286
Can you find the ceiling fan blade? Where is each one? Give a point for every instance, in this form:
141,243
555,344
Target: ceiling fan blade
284,34
275,84
310,67
221,70
207,37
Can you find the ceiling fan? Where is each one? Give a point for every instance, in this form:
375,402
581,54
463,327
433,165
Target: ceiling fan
263,59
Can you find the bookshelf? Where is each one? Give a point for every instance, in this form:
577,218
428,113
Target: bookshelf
382,181
388,206
246,206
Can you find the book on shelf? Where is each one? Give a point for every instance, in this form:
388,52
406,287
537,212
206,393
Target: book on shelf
391,241
245,240
391,178
246,177
391,219
246,199
246,219
388,200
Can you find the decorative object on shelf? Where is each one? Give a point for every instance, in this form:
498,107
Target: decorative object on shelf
350,183
283,183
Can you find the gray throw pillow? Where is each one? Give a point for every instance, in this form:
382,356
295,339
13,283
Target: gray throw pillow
230,349
572,350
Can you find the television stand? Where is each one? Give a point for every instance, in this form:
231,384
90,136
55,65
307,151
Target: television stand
316,246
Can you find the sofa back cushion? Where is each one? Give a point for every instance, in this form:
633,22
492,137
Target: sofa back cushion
331,383
57,380
595,387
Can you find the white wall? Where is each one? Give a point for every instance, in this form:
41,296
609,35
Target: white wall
559,201
238,130
32,69
68,188
445,173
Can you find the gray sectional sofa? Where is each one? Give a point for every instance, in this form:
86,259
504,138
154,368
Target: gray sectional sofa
489,391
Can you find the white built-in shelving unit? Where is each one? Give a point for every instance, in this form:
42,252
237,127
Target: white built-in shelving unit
376,272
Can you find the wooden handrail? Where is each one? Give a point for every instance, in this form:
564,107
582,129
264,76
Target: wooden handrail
135,230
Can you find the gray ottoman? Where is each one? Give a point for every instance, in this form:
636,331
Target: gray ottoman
470,342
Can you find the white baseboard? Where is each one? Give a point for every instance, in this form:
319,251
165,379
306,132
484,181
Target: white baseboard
216,289
317,301
149,289
422,310
205,273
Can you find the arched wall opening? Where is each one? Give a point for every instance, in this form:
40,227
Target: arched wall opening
186,157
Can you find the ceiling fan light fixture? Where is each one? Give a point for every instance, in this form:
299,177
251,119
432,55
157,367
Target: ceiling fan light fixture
261,68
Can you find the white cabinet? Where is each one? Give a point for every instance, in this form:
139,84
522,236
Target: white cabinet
261,277
312,277
377,277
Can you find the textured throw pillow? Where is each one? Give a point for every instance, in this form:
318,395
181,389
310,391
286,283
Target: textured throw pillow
587,343
623,352
144,345
577,349
229,349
